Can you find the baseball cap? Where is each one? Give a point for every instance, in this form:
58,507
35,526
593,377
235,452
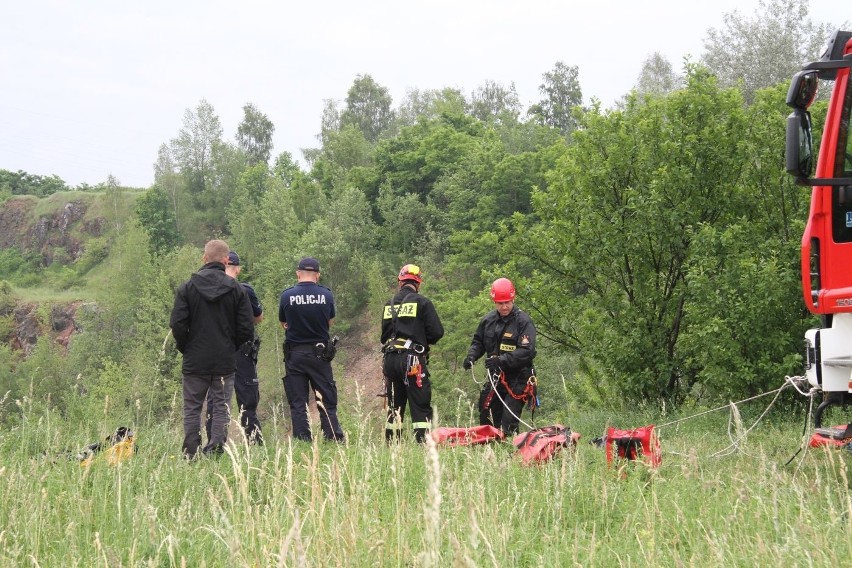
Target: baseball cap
309,263
233,259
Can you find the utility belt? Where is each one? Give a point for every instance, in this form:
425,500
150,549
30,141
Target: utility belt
321,350
394,345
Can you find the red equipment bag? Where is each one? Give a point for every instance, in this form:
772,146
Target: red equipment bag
634,444
541,444
467,436
834,436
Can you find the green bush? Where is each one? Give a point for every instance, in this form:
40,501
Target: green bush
96,251
19,268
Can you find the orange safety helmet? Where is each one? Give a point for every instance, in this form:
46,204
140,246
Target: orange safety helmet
502,290
410,272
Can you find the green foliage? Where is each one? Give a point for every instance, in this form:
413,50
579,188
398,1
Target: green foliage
254,135
19,268
609,258
61,277
780,36
368,108
345,243
561,91
157,215
746,317
96,251
22,183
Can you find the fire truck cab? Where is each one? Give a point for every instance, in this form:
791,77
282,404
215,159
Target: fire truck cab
826,253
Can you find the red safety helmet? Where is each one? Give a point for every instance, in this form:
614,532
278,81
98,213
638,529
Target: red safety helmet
502,290
410,272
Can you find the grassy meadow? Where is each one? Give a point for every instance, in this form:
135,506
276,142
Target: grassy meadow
368,504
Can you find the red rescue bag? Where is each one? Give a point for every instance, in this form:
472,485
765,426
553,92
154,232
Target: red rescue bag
467,436
541,444
634,444
834,436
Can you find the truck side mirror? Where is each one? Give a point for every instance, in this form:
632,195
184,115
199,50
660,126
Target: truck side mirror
800,151
803,89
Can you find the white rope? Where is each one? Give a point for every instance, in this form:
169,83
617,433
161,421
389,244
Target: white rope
735,443
684,419
494,388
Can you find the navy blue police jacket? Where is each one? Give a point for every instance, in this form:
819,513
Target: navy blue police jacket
306,308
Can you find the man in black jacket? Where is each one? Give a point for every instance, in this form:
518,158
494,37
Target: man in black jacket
410,324
246,381
506,336
211,317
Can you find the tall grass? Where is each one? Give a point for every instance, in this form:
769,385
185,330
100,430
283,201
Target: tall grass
368,504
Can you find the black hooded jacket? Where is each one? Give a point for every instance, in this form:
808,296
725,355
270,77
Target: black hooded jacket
212,316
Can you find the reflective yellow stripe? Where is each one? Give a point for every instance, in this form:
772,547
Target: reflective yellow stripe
395,425
407,310
426,425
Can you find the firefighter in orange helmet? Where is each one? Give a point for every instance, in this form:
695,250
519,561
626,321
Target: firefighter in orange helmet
506,337
410,324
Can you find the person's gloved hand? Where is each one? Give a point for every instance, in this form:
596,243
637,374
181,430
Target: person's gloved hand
467,363
492,364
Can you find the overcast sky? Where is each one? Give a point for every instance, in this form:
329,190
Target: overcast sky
93,88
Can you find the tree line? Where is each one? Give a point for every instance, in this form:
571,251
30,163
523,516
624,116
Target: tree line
655,244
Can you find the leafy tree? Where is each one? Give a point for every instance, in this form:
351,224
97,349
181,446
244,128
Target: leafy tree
561,92
766,49
494,103
745,310
657,76
286,168
342,151
345,243
413,161
167,178
254,135
368,108
428,104
608,259
153,208
194,148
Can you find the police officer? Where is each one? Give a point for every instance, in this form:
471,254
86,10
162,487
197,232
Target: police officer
246,382
506,337
410,324
306,311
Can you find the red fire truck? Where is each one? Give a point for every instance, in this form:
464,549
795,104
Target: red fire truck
826,259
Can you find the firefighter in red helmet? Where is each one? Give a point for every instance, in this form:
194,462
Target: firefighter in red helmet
506,337
410,324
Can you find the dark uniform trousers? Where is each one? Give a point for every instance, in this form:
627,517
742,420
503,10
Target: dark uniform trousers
493,412
409,390
247,389
306,371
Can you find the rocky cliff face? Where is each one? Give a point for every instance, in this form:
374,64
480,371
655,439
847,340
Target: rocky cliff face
48,233
59,235
28,325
